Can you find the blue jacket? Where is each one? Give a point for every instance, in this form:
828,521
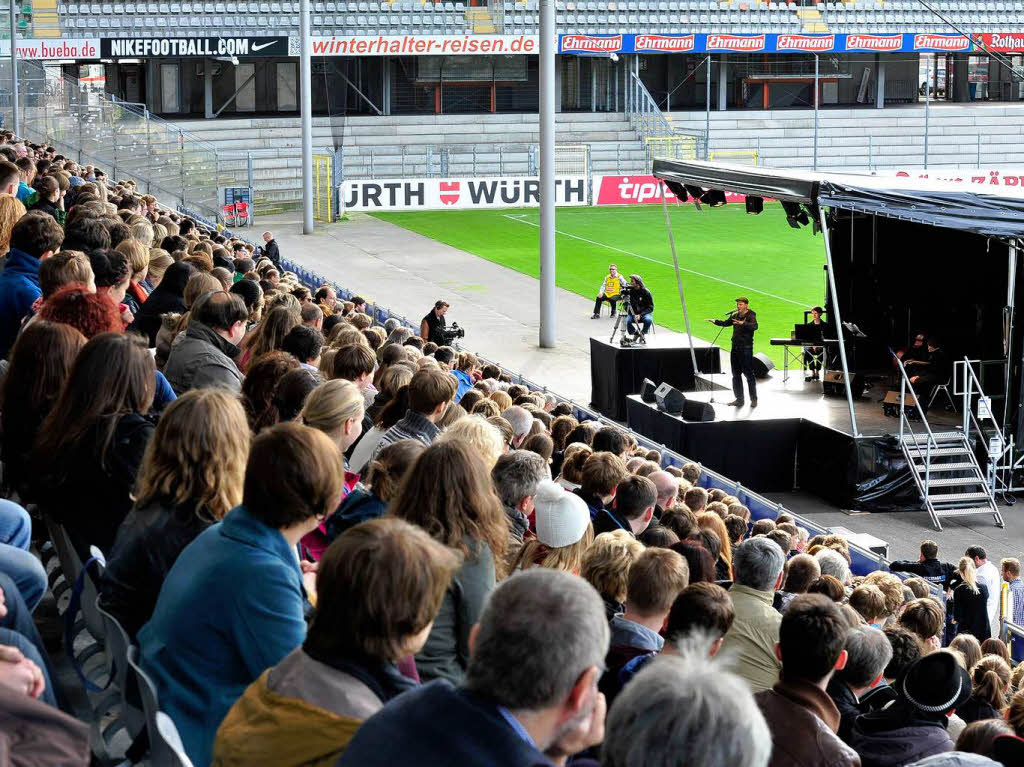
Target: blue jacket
19,288
465,383
439,725
230,608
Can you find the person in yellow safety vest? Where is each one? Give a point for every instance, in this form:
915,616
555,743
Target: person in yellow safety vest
611,287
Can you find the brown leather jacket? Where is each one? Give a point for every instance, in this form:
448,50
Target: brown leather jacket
804,721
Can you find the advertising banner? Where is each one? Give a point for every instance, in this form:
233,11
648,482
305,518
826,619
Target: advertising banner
424,45
986,180
454,193
49,50
188,47
637,190
908,42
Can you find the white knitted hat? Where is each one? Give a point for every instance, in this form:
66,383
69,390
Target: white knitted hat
561,517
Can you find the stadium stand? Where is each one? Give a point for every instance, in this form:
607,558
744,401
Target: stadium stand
191,516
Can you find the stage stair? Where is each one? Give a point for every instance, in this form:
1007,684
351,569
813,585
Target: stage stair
944,467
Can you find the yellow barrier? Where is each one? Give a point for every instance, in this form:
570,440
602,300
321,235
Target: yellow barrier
673,147
322,191
735,155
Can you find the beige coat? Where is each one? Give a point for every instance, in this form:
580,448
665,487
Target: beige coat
751,640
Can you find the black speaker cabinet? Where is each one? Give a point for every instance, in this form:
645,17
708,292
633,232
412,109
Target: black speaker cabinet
891,405
669,399
698,411
647,390
762,365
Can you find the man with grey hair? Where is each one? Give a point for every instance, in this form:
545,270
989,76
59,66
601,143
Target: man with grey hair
868,653
684,711
667,487
516,476
521,420
530,695
391,324
757,566
833,563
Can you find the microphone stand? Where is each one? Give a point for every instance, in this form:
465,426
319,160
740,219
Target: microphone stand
713,343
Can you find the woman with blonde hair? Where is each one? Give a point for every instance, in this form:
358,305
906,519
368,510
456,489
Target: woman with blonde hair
335,408
606,567
709,520
11,210
564,531
990,680
967,644
483,438
138,262
970,602
191,476
269,334
159,260
502,400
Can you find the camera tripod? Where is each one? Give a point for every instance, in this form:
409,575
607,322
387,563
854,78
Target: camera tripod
622,321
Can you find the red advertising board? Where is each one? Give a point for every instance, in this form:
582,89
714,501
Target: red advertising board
636,190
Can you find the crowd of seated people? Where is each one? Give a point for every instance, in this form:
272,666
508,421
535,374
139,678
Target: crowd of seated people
334,543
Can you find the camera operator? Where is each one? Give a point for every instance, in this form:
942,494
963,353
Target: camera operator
641,305
432,326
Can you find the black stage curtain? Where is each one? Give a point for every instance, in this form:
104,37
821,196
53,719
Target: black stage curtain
617,372
757,454
865,473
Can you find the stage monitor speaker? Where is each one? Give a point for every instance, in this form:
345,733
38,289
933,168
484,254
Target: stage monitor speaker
762,365
833,384
647,390
669,399
698,411
891,405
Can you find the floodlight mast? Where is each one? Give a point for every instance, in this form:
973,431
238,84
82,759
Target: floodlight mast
548,43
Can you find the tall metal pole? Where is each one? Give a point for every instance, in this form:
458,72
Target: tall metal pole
707,111
816,99
839,320
679,280
548,43
306,105
927,104
14,71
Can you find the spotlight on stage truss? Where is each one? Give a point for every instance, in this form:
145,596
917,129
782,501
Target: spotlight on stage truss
713,198
695,193
678,190
754,204
795,214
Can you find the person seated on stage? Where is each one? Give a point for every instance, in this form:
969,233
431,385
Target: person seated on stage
611,289
813,355
936,370
641,306
918,351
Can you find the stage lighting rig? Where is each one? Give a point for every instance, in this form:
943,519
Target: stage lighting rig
754,204
678,190
796,216
696,193
713,198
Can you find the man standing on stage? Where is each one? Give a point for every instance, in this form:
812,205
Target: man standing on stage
744,323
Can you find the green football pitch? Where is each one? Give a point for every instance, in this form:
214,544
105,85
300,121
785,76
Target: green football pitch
723,253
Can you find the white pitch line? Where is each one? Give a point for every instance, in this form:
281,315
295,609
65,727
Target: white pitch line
521,220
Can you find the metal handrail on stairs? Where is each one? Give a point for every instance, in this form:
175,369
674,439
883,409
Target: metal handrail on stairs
972,386
905,425
647,119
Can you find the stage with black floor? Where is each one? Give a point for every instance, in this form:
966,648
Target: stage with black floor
797,438
617,371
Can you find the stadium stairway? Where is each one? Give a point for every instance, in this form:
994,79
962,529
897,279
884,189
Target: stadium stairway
967,136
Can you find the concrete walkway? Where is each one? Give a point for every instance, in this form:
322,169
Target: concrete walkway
499,308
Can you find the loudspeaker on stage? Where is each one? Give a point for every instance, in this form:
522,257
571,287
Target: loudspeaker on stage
763,365
670,399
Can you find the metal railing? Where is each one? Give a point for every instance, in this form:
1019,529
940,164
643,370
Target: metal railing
647,119
905,425
86,124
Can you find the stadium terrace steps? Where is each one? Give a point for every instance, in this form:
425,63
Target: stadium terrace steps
967,136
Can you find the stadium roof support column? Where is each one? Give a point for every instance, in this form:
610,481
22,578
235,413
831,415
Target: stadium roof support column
834,293
14,70
306,105
546,96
